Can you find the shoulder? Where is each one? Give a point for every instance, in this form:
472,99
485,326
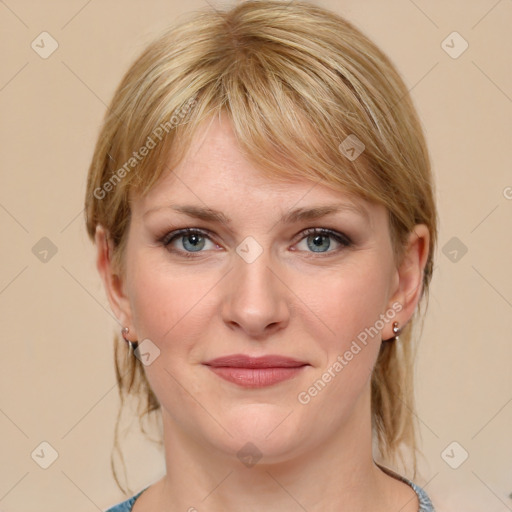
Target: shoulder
425,504
125,506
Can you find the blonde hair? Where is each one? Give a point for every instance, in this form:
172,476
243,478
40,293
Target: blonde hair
296,80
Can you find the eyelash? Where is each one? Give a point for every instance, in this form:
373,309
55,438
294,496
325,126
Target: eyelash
168,238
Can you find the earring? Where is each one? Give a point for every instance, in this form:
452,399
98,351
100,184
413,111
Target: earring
396,332
132,344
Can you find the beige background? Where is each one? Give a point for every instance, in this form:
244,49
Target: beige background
57,381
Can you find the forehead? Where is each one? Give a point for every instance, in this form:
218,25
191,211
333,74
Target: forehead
214,164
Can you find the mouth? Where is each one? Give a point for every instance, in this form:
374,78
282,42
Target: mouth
255,372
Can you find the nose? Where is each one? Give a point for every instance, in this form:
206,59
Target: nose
256,300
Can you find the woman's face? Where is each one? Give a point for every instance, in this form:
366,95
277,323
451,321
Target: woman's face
256,284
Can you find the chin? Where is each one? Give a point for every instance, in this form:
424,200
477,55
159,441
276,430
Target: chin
267,429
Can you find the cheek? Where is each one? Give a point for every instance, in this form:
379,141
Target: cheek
343,304
167,305
172,311
340,310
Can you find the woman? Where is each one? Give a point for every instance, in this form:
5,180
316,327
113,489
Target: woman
262,204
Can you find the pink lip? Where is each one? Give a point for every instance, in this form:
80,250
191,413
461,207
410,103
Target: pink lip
255,372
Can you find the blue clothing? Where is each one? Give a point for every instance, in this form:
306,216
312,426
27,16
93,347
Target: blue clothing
424,500
125,506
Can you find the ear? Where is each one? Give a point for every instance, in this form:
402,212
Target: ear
114,286
408,281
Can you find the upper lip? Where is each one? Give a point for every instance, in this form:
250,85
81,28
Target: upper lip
243,361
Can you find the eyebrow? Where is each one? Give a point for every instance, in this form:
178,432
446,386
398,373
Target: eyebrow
293,216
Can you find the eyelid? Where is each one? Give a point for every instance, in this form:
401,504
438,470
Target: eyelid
340,237
177,233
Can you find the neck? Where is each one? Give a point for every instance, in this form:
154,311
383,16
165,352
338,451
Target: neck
337,475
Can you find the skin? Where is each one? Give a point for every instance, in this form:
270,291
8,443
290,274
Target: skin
290,301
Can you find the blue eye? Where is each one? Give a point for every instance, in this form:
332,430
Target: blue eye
319,240
188,241
192,240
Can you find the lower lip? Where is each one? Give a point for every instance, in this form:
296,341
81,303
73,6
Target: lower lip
255,377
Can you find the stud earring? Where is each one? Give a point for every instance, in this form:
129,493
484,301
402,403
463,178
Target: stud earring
396,332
